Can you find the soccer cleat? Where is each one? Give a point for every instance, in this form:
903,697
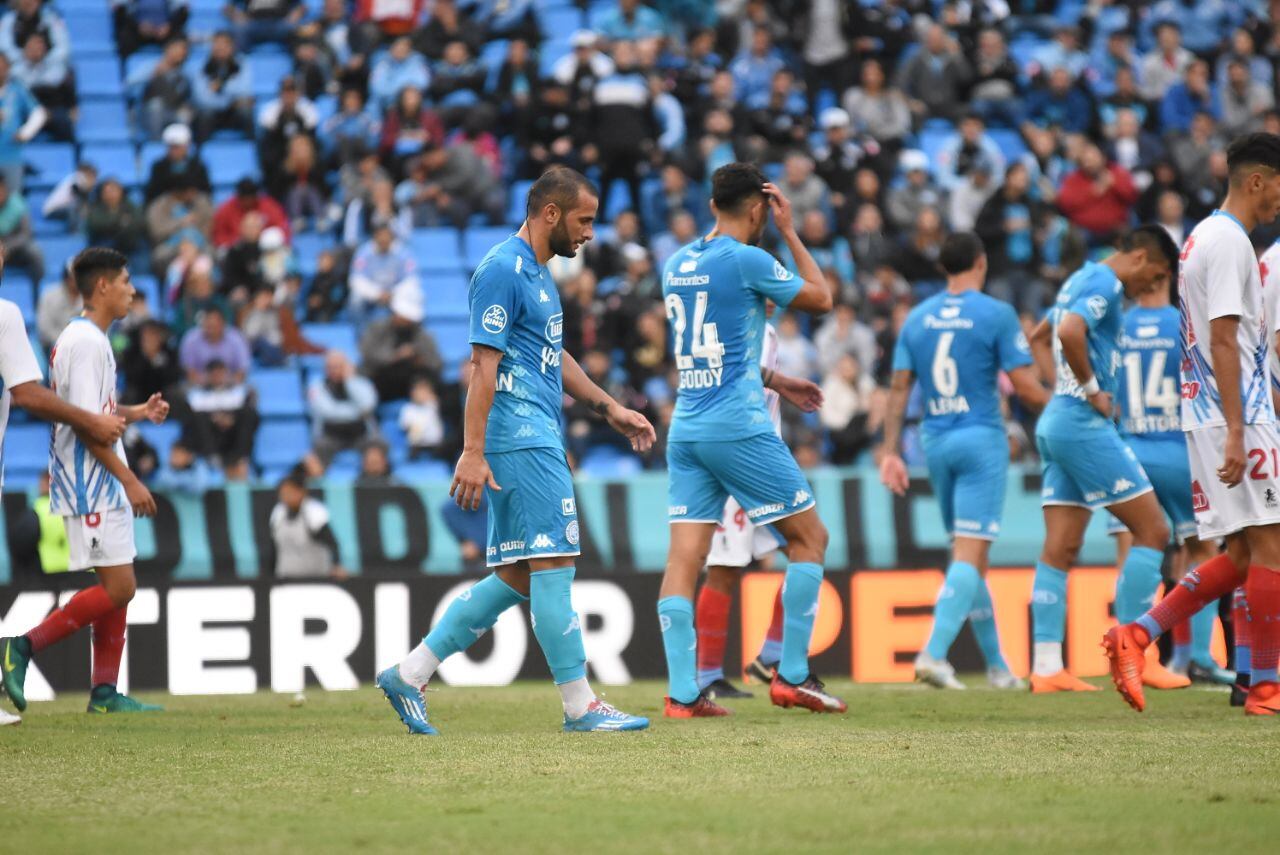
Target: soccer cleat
1264,699
601,716
1059,682
758,669
811,694
701,707
722,688
1156,676
407,701
1004,679
105,699
13,664
1210,673
1128,660
936,672
7,717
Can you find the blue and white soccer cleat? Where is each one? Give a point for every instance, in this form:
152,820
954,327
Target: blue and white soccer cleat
407,701
601,716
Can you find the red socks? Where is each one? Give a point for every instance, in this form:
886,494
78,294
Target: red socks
1212,579
81,610
108,645
1263,592
712,619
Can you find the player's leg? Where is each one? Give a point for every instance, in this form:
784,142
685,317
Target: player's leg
88,546
1064,535
1202,667
765,665
108,643
729,556
955,596
1242,630
1263,591
1180,657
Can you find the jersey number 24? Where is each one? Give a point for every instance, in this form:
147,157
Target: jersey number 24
705,343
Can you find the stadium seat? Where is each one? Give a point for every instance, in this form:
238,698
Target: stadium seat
27,446
518,202
619,200
98,77
1010,143
281,442
550,52
161,437
58,249
21,296
267,68
307,247
560,20
103,122
476,243
149,288
114,161
90,29
608,462
280,393
451,337
341,337
228,161
931,142
446,294
51,163
424,471
437,249
397,443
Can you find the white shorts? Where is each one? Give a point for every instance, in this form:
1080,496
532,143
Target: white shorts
737,541
101,540
1255,501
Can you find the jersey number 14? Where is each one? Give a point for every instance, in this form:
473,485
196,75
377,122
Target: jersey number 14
705,343
1158,392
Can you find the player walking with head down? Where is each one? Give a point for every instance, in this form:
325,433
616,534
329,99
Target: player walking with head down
722,442
1229,420
956,343
514,450
92,488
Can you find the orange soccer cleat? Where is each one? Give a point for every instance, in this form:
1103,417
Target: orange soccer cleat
1156,676
1126,652
1264,699
701,707
1059,682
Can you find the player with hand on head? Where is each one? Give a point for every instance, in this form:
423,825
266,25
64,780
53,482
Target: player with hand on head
92,488
1086,463
722,444
956,343
1229,420
513,454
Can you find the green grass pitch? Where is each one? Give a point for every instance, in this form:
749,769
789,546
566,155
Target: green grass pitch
908,769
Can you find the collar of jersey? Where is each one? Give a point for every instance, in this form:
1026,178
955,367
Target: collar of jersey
1218,212
524,249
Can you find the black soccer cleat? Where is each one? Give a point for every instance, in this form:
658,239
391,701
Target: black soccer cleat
722,689
1240,691
758,669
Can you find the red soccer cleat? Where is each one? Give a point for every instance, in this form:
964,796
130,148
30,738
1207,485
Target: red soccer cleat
1264,699
1128,658
811,694
1063,681
702,707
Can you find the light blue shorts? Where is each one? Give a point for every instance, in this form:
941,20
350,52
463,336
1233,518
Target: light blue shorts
535,514
1093,468
759,472
969,469
1166,464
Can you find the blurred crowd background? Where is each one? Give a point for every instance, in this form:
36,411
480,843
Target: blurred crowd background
305,187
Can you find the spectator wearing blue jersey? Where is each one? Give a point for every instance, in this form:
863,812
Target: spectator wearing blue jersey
1115,53
1205,24
754,67
675,193
963,149
382,268
1063,52
222,90
457,81
398,69
1061,104
1183,100
1007,226
1125,96
147,22
348,133
20,247
630,21
669,115
778,119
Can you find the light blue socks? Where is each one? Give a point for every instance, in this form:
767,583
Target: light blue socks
1202,634
982,618
800,589
1139,579
471,615
556,624
1049,604
680,642
955,600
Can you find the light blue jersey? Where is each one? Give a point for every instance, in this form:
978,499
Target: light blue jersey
515,308
715,293
1147,397
1095,294
956,345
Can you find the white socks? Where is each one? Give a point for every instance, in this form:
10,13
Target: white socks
576,696
419,666
1048,658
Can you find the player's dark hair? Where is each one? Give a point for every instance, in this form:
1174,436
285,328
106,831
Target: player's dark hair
93,263
559,186
960,252
296,477
1156,241
1253,150
736,183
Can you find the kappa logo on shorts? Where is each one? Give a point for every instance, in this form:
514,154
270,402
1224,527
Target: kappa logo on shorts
571,533
1121,485
542,542
494,319
1199,499
802,496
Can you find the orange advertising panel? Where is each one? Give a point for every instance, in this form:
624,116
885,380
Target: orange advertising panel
759,590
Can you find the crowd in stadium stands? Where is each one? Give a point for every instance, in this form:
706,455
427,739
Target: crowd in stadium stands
304,187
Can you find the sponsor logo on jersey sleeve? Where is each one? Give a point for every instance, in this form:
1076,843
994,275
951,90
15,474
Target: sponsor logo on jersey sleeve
781,272
1097,306
494,319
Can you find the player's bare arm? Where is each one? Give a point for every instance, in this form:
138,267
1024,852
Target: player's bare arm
1073,333
1225,356
893,471
815,295
155,410
472,474
1028,388
41,402
802,394
631,424
1041,342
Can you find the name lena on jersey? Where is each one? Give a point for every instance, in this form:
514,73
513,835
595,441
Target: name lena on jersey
953,406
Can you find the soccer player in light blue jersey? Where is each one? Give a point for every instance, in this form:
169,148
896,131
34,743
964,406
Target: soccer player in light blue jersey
1148,401
955,344
1086,464
722,442
513,454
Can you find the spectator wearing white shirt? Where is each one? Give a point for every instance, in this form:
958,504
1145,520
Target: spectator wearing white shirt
303,541
382,268
421,421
